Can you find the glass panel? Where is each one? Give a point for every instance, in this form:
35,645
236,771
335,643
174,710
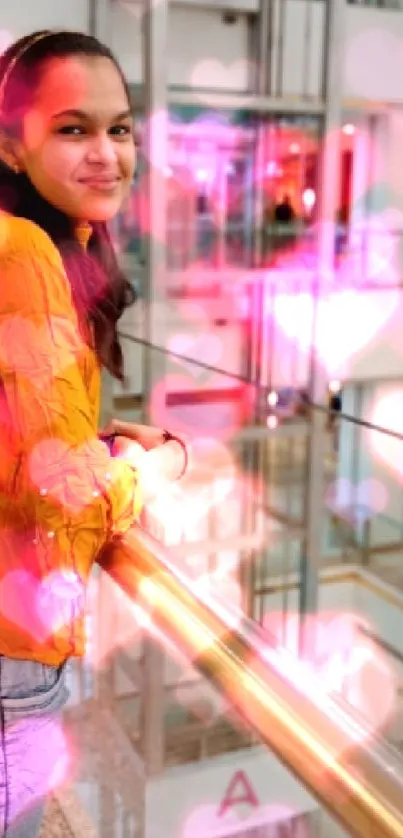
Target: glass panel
222,165
236,523
364,494
210,190
289,181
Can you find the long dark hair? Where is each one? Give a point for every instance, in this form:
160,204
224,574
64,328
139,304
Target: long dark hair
99,289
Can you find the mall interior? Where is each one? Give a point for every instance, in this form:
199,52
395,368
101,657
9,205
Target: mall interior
227,690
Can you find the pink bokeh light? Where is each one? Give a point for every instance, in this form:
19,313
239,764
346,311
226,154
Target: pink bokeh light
195,419
209,481
346,663
241,818
38,761
356,501
40,607
361,316
205,346
73,477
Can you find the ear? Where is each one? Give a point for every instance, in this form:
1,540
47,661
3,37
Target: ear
8,152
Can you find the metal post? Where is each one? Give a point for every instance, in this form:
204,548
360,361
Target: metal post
155,55
328,205
255,332
265,48
264,87
152,708
99,19
155,23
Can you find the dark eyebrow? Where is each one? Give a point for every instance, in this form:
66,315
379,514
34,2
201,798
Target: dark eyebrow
77,114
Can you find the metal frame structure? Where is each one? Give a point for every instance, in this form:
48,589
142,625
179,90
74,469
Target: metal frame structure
264,99
318,739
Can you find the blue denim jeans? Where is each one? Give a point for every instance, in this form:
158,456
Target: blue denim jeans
33,750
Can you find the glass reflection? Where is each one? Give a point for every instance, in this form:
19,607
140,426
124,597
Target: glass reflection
242,192
210,218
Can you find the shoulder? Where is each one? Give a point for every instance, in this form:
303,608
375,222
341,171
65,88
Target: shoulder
25,240
32,273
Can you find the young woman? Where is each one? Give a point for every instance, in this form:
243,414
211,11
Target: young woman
67,158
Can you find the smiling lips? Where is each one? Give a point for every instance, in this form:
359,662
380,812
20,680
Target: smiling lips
102,183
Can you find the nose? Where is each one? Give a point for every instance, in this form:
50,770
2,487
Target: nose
101,149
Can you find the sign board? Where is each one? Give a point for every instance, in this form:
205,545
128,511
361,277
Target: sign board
246,794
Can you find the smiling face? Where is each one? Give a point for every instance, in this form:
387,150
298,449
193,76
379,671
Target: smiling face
77,145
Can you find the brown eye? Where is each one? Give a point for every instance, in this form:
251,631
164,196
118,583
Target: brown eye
121,130
71,130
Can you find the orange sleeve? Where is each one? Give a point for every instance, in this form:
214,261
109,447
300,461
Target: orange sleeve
71,481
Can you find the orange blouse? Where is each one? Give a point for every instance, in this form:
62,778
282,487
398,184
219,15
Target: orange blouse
61,494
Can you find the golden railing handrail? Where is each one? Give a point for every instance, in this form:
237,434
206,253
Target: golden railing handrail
359,781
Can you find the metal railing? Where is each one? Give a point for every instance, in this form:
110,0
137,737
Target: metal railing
327,748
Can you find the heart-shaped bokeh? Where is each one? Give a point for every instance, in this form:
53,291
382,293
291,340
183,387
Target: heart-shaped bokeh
38,762
346,662
208,483
75,477
186,414
245,818
356,502
41,607
360,315
207,348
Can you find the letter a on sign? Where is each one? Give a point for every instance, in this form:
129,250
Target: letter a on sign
238,791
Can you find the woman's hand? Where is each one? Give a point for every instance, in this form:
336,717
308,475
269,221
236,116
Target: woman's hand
156,467
129,450
172,454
